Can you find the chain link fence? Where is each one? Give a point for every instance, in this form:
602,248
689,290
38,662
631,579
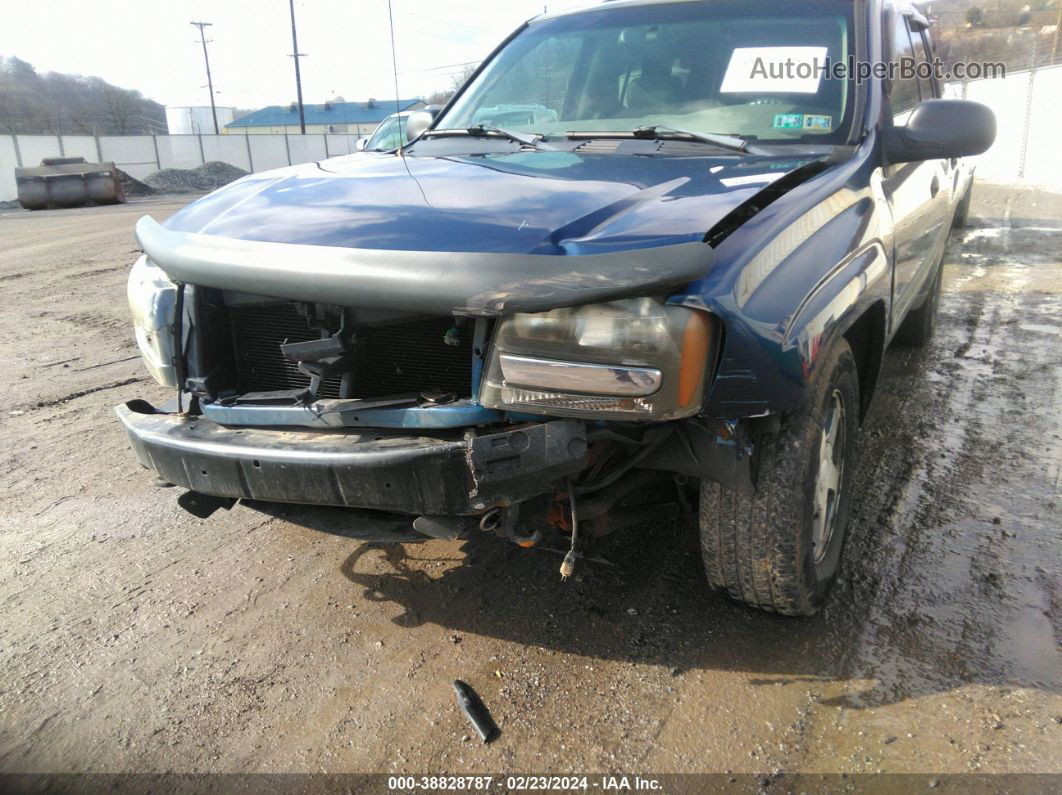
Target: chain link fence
1025,101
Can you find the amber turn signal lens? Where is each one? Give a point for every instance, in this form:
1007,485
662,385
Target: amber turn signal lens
696,343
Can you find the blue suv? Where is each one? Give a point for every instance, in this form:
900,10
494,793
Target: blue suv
651,253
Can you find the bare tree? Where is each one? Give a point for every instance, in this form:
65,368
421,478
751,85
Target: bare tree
70,104
457,79
119,107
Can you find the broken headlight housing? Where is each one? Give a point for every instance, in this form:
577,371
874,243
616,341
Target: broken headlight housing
636,359
153,301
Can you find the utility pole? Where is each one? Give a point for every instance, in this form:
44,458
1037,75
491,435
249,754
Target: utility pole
394,58
210,81
298,77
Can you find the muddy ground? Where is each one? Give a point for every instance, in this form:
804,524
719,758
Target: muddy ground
135,637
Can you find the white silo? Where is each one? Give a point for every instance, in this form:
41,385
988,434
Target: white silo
196,119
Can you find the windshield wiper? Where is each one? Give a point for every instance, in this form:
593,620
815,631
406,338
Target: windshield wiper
662,132
487,130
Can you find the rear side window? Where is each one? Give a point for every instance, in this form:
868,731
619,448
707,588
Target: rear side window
905,92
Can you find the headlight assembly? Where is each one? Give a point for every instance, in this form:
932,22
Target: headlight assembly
637,359
153,301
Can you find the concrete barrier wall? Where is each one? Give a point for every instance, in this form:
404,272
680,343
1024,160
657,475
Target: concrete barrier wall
80,146
268,151
228,149
340,144
8,191
34,147
179,151
141,155
304,148
134,154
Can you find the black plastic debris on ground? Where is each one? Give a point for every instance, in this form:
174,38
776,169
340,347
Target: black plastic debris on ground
476,711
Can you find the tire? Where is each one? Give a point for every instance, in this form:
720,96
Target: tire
760,548
917,328
962,212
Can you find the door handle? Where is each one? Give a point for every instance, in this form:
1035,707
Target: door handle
934,187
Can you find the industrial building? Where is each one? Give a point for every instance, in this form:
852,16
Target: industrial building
352,118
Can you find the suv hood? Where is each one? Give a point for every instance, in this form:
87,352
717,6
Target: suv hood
525,202
473,235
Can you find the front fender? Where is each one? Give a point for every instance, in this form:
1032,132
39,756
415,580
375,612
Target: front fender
860,281
788,284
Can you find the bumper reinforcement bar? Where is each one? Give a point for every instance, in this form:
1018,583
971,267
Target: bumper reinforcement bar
436,473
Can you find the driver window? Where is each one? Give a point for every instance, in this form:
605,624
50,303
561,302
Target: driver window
904,94
926,84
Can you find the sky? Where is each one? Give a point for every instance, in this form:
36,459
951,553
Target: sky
150,46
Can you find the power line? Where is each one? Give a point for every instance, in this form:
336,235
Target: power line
210,81
453,66
446,22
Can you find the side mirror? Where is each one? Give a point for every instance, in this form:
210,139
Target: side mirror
940,129
419,121
361,144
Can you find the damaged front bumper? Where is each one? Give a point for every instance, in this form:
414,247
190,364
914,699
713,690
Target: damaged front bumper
450,473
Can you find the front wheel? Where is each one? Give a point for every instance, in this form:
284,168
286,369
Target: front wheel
779,548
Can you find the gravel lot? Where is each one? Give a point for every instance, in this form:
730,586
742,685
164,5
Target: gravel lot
135,637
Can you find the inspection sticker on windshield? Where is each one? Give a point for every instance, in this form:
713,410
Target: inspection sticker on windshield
803,121
818,123
775,70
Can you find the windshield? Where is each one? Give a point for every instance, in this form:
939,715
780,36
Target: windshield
736,68
390,134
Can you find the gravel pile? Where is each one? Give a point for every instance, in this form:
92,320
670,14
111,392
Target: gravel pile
208,176
133,186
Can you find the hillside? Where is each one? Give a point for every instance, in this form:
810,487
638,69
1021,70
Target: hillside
50,103
1013,32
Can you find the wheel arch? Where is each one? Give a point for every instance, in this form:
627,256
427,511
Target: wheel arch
850,304
866,338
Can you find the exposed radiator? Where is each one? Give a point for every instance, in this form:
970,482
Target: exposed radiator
400,358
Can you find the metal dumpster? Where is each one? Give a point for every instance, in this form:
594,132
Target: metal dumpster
68,182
